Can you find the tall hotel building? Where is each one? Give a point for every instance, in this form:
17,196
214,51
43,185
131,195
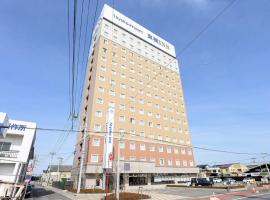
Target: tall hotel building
135,72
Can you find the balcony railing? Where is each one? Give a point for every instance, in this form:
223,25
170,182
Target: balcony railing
9,154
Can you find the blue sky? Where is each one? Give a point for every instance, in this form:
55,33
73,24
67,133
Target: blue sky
225,73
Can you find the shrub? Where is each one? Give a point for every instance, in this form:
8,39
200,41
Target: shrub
128,196
96,190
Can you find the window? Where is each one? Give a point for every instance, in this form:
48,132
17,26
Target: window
161,161
158,126
122,96
142,134
169,149
112,93
141,101
98,113
122,107
132,146
132,158
122,145
157,115
142,147
97,127
100,89
96,142
176,150
102,67
141,111
159,137
121,118
151,148
94,158
99,101
132,133
160,149
112,82
169,162
5,146
150,124
143,158
184,163
189,152
149,114
132,109
177,163
191,164
101,78
183,151
123,85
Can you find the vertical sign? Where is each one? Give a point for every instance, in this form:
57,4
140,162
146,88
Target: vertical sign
108,139
3,123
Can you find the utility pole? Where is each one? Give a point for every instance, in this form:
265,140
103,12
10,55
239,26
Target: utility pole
82,160
118,167
52,154
58,170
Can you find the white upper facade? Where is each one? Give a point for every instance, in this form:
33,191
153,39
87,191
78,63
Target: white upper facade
18,141
133,27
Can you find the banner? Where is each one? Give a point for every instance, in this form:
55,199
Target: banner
108,139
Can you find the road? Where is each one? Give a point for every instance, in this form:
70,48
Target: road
41,193
262,196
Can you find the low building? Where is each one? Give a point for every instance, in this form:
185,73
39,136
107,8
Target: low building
17,140
259,170
56,173
207,170
233,169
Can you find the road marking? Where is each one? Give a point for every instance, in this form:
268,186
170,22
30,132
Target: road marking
255,195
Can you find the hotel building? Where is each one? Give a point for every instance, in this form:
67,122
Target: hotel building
135,72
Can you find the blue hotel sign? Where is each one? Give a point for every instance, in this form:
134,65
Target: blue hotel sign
158,41
18,127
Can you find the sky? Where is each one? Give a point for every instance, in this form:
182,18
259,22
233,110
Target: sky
225,72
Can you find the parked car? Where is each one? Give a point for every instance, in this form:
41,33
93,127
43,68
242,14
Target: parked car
229,181
217,180
28,192
249,180
201,182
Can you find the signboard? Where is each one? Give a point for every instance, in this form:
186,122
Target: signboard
29,171
138,30
108,139
3,123
126,166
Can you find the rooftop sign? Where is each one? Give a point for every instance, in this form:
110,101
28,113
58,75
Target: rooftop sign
138,30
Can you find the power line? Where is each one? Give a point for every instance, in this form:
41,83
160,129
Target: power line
143,137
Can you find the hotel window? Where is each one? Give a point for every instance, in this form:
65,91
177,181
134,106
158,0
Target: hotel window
103,58
141,101
104,50
132,146
131,79
99,101
102,67
174,140
148,94
123,49
143,158
151,148
132,98
150,124
149,114
177,163
105,41
176,150
121,157
160,149
181,141
122,96
141,122
123,58
97,127
142,134
168,139
132,133
123,66
169,149
100,89
169,162
140,82
140,91
189,152
111,104
123,75
132,158
121,118
96,142
156,105
183,151
149,103
131,88
112,93
101,78
157,115
132,70
184,163
94,158
98,113
142,147
158,126
122,145
161,162
132,109
122,107
113,72
141,111
112,82
152,159
159,137
123,85
191,164
140,73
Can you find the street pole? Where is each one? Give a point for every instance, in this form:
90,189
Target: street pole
52,154
82,160
58,170
118,168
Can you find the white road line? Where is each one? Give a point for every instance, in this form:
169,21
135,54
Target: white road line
255,195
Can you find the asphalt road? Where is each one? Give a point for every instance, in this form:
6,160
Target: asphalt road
262,196
40,193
